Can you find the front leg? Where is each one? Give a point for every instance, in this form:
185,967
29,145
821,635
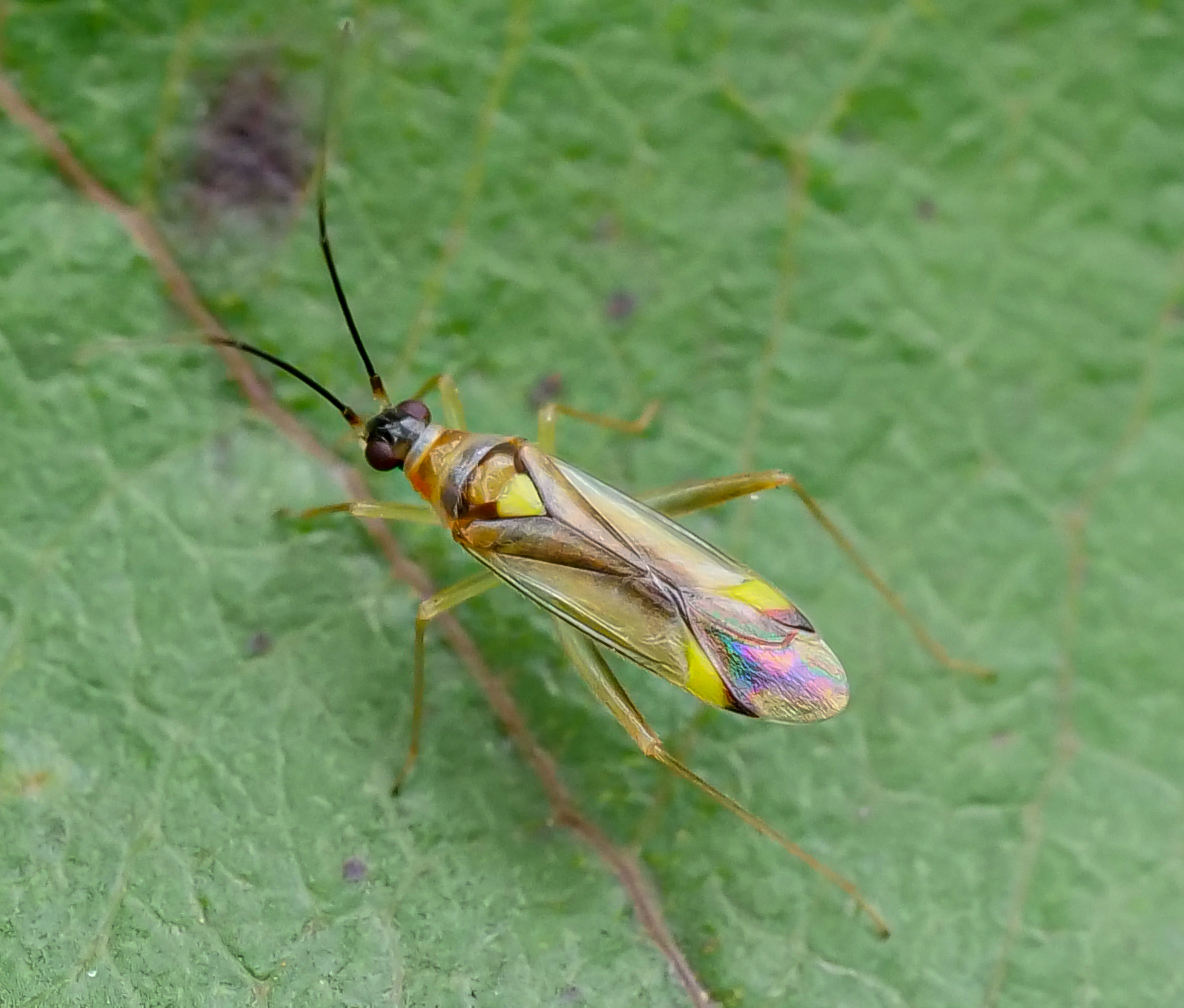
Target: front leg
429,609
418,514
550,412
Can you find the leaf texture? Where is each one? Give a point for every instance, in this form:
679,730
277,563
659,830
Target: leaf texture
927,257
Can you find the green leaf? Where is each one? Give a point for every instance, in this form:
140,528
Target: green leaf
976,366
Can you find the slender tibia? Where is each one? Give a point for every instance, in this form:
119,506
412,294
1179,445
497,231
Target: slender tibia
454,411
429,609
595,672
550,412
924,638
688,497
419,514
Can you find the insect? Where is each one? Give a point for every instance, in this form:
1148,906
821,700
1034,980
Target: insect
613,571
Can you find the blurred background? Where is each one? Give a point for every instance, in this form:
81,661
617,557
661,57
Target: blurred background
926,256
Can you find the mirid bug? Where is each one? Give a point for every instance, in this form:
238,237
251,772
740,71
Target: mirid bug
613,571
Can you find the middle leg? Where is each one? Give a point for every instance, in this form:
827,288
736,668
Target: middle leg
429,609
454,411
698,494
550,413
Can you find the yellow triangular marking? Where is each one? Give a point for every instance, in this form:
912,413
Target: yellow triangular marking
519,498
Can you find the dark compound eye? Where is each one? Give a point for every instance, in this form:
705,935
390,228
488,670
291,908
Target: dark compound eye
381,455
414,408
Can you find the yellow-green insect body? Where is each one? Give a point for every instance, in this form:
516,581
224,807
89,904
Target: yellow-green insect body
622,573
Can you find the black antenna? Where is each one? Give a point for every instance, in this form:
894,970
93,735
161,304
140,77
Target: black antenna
376,385
351,417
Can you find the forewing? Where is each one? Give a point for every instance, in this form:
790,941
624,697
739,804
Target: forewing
660,543
773,670
664,598
611,608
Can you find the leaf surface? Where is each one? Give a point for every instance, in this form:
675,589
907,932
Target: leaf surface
955,321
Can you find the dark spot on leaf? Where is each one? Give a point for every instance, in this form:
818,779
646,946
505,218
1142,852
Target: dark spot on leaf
52,836
926,209
570,995
547,389
220,450
32,784
1002,739
620,305
251,151
353,869
608,228
853,134
259,644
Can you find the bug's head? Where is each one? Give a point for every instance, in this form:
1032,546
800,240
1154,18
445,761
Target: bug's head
390,434
386,437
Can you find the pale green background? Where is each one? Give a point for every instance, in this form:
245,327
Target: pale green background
989,238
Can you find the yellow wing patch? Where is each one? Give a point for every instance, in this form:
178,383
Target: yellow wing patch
519,498
757,594
703,680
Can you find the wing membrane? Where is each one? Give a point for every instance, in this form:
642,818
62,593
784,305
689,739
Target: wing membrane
653,591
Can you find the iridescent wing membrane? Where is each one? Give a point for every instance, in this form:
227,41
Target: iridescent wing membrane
642,585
